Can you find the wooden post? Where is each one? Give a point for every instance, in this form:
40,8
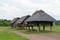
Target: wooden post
32,28
17,27
20,28
53,23
29,28
50,28
26,28
43,27
38,28
14,26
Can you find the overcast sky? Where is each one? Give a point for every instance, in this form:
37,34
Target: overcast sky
10,9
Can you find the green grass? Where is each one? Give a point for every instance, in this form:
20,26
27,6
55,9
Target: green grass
5,34
55,30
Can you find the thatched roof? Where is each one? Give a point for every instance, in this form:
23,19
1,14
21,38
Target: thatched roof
22,19
40,16
14,20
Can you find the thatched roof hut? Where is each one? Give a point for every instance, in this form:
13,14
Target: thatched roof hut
22,19
21,22
40,17
14,21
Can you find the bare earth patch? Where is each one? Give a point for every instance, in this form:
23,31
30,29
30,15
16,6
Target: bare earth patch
39,36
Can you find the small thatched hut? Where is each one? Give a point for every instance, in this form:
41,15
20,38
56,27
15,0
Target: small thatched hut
21,22
12,24
40,18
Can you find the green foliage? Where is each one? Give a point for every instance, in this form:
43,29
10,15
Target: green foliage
4,22
58,22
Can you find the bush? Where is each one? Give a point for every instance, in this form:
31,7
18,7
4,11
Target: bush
4,22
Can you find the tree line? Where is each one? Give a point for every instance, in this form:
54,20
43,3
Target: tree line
58,22
4,22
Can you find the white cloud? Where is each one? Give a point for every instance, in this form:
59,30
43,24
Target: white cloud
52,7
17,8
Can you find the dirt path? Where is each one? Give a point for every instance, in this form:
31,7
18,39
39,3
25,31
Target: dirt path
39,36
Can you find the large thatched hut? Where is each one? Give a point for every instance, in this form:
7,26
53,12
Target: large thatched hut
21,22
40,18
12,24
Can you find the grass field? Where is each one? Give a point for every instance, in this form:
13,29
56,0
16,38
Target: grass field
55,30
6,34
